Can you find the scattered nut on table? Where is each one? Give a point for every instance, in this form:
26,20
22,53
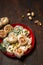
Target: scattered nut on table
30,18
38,22
28,14
32,14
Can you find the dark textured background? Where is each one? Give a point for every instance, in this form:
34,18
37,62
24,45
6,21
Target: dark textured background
14,9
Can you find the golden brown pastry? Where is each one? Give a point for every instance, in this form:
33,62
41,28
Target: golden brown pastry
0,24
12,38
8,28
22,39
18,53
2,34
4,20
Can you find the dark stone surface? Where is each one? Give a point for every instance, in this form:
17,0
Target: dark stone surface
14,9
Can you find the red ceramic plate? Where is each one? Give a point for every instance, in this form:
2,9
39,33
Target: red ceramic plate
31,35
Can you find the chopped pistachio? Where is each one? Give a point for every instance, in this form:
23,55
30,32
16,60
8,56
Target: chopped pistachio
2,48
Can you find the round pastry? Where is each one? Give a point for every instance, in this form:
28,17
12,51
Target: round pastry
2,34
29,40
0,24
26,32
12,38
22,39
18,52
18,30
17,45
4,20
5,42
11,34
8,28
10,49
23,48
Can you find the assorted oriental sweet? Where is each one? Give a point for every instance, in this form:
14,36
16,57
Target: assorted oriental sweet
17,41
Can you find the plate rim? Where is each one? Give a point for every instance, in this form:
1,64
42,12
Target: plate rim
27,52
